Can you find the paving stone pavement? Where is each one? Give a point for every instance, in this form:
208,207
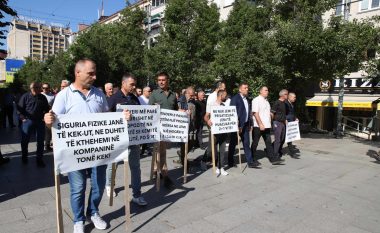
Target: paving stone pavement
333,187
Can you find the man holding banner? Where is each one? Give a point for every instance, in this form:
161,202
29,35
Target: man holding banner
221,139
167,100
290,117
82,98
125,96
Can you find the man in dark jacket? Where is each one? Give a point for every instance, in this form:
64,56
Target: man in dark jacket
279,122
32,107
245,123
291,116
200,111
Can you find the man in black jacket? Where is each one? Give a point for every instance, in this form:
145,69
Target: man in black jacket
291,116
279,122
32,107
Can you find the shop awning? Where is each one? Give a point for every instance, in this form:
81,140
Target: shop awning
348,101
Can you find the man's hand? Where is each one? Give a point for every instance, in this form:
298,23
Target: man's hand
297,119
49,118
262,127
127,114
240,130
209,123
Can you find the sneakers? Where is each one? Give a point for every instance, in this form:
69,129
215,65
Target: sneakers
98,222
221,172
108,191
139,201
79,227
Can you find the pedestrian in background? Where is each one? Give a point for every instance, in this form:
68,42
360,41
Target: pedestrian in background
50,98
279,122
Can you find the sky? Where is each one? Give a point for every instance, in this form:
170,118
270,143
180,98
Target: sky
65,12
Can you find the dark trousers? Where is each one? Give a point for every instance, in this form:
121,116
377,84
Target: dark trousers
256,134
279,137
8,112
199,134
28,128
234,141
220,149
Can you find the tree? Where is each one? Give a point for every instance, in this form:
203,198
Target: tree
116,48
32,71
187,45
5,9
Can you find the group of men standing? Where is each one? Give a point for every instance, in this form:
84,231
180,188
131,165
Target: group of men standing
37,110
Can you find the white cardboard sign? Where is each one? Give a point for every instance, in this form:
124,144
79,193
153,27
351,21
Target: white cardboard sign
224,119
174,126
292,132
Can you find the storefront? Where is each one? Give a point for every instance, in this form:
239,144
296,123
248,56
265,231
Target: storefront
360,102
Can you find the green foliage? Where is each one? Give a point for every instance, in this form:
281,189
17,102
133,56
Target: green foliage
187,46
5,9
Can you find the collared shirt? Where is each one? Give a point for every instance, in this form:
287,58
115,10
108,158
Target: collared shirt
70,100
262,106
50,98
211,101
120,98
33,107
246,106
143,100
169,101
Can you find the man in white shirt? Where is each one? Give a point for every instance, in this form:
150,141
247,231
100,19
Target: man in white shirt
211,100
144,98
261,126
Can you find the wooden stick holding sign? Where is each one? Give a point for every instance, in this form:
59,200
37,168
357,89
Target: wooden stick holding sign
238,144
113,175
58,202
185,163
213,153
158,166
126,197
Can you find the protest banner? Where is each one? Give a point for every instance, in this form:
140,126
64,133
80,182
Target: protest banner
224,120
89,140
292,132
86,140
174,126
144,125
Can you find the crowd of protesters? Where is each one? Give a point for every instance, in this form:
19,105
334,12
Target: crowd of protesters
37,108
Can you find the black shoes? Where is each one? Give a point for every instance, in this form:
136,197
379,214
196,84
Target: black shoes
277,161
254,164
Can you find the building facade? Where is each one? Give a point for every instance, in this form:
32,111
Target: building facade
32,38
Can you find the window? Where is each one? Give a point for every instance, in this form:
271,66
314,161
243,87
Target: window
369,4
339,10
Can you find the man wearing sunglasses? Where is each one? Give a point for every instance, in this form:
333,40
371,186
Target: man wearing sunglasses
32,106
50,98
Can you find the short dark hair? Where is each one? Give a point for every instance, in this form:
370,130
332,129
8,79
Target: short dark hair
219,83
220,92
162,73
128,75
243,83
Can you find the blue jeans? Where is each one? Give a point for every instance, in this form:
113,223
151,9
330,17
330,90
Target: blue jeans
77,181
134,165
28,128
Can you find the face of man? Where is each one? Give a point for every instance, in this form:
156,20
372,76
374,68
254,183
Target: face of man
163,82
201,96
86,75
189,94
35,88
292,98
109,90
284,96
264,92
128,85
243,90
138,91
147,92
46,88
63,86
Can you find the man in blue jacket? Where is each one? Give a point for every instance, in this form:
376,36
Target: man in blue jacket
244,123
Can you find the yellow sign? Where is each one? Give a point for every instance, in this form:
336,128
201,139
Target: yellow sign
9,77
335,104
